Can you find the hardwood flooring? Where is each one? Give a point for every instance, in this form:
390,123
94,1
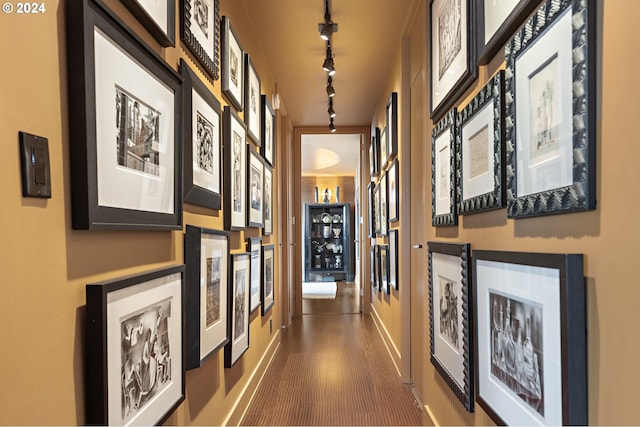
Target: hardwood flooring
347,300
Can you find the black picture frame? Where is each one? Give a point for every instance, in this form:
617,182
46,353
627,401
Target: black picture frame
252,101
235,172
567,148
383,207
163,32
267,230
254,248
255,188
383,270
151,306
393,259
206,256
443,183
111,197
546,293
239,309
391,113
267,290
480,173
374,153
393,184
373,275
268,131
232,65
202,146
451,322
200,32
371,188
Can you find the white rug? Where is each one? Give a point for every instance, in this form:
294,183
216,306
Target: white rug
319,290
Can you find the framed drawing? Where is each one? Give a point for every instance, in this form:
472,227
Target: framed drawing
373,270
238,309
374,152
450,317
158,17
383,146
392,126
268,266
200,32
206,258
268,131
453,53
235,159
550,111
384,209
371,191
393,259
232,68
252,101
393,184
443,172
254,247
377,215
376,268
497,22
479,144
267,230
383,271
134,348
202,144
255,178
125,155
530,325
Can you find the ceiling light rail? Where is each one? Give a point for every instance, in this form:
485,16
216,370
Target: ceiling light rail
326,29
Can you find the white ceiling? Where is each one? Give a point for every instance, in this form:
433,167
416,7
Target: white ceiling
330,154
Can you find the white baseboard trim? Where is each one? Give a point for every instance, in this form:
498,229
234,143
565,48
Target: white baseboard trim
430,414
386,338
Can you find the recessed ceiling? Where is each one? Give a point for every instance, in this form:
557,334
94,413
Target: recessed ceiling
324,155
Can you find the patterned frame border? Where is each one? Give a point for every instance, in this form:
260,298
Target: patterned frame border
451,218
212,65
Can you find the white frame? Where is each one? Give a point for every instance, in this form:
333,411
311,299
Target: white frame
252,98
239,344
254,247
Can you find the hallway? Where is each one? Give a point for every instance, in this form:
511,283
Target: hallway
332,370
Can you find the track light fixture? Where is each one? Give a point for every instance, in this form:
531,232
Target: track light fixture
330,90
327,27
331,111
327,65
332,127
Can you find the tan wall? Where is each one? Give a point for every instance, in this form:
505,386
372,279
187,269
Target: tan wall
46,264
347,184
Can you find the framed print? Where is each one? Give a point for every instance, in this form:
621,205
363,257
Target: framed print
134,348
200,32
376,268
550,111
206,258
254,247
453,53
497,22
235,159
393,184
371,191
383,271
158,17
443,172
392,126
267,230
531,327
232,68
202,143
377,215
373,270
252,101
384,222
255,178
268,131
384,150
393,259
450,317
125,155
374,152
268,267
238,309
479,144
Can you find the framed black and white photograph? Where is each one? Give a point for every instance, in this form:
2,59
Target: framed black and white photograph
453,53
383,271
268,269
134,340
377,285
202,149
383,147
391,112
443,172
254,247
206,258
377,216
479,144
200,32
393,175
124,115
158,17
238,308
550,111
232,68
374,153
530,326
451,317
252,101
383,206
235,172
267,230
268,131
255,178
371,195
393,259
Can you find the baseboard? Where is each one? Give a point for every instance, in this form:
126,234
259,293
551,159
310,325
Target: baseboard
431,416
386,338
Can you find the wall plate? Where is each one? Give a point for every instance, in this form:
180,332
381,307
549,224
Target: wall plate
34,159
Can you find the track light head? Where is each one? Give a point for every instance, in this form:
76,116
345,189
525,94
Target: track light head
332,127
328,64
330,90
331,111
326,30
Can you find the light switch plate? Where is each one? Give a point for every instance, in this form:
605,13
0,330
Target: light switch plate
34,159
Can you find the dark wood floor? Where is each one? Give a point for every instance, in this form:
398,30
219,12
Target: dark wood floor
347,300
332,370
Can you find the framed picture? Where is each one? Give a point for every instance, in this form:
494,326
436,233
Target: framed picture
497,22
267,230
235,157
134,348
200,32
239,308
125,155
479,144
393,184
371,191
373,270
393,259
450,317
551,123
158,17
206,258
232,70
384,209
374,152
377,216
268,131
384,150
453,53
383,258
202,144
268,268
255,177
377,269
443,171
252,101
530,325
254,247
392,126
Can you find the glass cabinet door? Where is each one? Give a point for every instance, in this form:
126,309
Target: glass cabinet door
327,240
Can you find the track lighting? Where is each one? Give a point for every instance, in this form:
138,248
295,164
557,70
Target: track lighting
331,111
328,63
332,127
330,90
327,27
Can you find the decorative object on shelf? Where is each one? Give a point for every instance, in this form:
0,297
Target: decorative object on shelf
200,32
374,153
337,194
252,101
235,159
232,70
158,17
268,131
550,89
326,195
268,266
134,348
239,309
391,110
255,178
207,286
267,230
394,189
530,324
254,247
315,199
443,171
450,317
393,259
